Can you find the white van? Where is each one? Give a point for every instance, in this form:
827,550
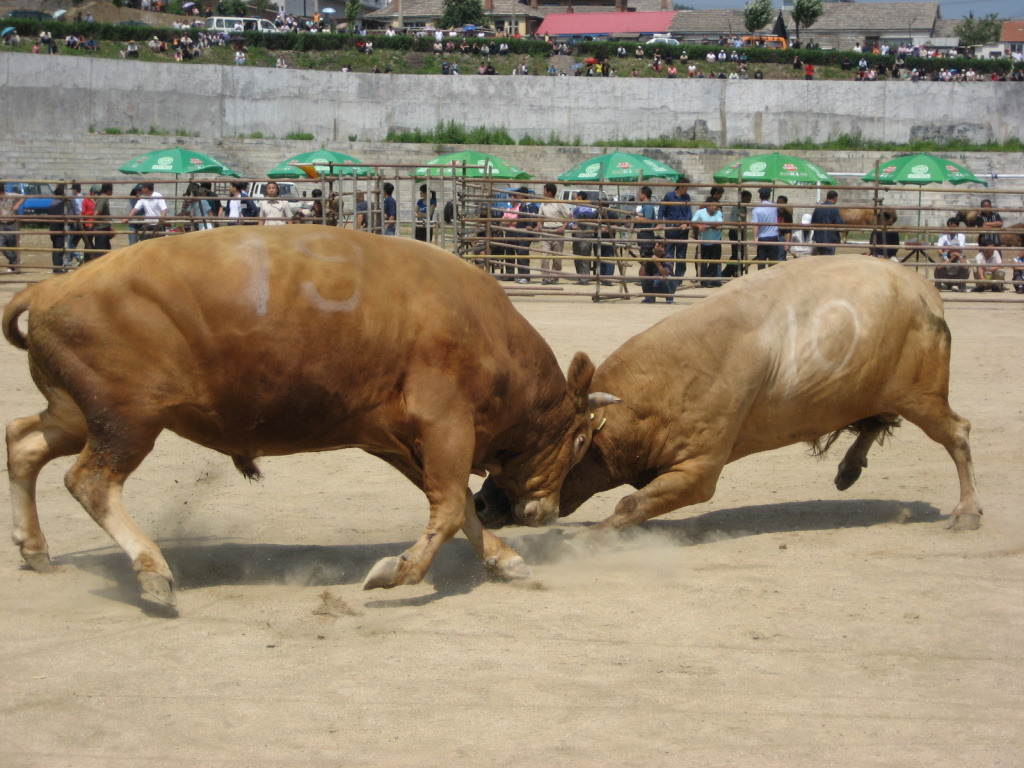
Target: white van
227,24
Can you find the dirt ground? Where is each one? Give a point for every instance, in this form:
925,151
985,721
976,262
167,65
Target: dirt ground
783,623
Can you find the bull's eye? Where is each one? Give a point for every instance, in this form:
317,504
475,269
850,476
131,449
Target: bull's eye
581,440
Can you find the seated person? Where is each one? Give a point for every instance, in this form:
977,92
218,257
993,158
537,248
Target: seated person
952,245
988,274
656,275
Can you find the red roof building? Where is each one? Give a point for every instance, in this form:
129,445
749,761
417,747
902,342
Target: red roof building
610,24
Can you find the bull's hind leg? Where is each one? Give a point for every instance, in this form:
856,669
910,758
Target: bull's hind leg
31,443
943,425
96,480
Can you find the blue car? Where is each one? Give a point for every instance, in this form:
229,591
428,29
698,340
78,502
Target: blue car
38,197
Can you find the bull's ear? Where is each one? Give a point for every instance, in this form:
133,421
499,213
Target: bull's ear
581,371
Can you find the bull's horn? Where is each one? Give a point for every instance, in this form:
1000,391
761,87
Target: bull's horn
601,399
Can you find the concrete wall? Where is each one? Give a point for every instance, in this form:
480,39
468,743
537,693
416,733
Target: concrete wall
57,96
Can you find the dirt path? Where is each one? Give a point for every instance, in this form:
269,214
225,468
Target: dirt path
781,624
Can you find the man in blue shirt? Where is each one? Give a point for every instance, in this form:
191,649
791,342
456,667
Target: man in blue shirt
766,229
676,212
390,209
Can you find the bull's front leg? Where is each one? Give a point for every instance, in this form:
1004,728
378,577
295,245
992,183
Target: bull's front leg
690,482
445,447
500,559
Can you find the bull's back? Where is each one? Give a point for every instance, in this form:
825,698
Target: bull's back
784,355
268,331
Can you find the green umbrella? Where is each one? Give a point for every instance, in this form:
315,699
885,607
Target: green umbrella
472,165
319,160
620,166
176,161
773,168
922,169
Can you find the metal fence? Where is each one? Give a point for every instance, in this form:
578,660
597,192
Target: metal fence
537,243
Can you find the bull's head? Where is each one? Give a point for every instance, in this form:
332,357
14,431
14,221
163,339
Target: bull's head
533,479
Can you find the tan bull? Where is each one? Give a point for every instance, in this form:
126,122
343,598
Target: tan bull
870,218
261,341
795,353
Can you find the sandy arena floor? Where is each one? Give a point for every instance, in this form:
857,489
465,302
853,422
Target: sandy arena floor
781,624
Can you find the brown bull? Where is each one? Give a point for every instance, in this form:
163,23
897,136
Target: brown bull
795,353
278,340
868,217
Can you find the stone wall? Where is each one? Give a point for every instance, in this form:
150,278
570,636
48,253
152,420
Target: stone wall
62,95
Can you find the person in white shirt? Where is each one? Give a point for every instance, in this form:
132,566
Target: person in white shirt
273,210
987,273
952,250
152,208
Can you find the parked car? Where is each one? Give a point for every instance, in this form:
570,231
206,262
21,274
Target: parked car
38,197
666,39
286,189
34,15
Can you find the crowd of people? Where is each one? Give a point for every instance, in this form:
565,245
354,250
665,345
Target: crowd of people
525,236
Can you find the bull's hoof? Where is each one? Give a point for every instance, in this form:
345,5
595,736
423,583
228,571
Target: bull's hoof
384,574
967,521
38,561
157,587
512,569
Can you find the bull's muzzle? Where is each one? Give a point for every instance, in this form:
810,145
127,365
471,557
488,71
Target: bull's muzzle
537,512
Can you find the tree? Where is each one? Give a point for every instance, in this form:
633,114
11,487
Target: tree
352,10
805,13
972,31
459,13
757,14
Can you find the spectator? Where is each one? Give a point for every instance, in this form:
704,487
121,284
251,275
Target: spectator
554,218
988,275
676,213
273,210
9,205
737,234
952,245
424,213
584,235
708,221
390,209
103,231
606,217
239,205
74,227
152,208
826,215
785,223
57,214
362,221
525,230
656,275
990,219
766,229
131,50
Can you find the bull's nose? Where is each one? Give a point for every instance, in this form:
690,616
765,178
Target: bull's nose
537,512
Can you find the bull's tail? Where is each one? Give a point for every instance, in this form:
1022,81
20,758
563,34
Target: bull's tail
247,467
15,309
881,426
